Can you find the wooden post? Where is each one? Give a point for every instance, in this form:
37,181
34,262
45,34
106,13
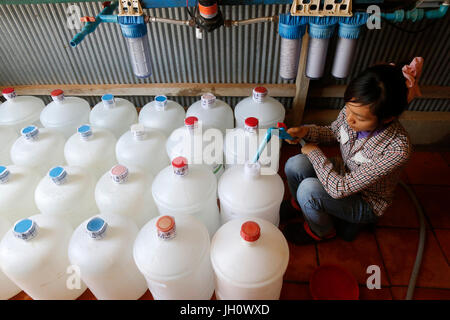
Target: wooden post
295,117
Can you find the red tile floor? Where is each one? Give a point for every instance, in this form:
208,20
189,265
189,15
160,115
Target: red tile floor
392,245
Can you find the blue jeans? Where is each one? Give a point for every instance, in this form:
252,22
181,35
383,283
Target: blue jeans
317,205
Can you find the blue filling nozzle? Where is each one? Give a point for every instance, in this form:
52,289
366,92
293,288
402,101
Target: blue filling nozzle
282,134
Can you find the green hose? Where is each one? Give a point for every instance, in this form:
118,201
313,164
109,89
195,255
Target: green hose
420,248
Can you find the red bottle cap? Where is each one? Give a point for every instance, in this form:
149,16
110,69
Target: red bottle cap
190,121
165,223
179,162
260,90
56,92
250,231
8,90
251,122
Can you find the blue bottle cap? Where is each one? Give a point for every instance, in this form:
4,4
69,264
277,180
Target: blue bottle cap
108,100
4,174
96,228
85,131
25,229
30,132
58,175
161,101
107,97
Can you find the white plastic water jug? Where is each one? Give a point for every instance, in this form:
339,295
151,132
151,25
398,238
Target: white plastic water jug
269,111
93,149
162,114
187,190
65,114
246,193
33,254
213,113
17,186
67,192
20,111
173,255
39,149
7,138
249,259
188,142
114,114
102,247
128,192
142,148
241,145
8,288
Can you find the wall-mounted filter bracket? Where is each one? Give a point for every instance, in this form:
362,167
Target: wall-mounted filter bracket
130,8
315,8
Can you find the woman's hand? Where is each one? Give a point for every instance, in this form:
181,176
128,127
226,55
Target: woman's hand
307,148
298,133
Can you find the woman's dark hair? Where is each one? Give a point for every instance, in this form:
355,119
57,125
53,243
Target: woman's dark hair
383,88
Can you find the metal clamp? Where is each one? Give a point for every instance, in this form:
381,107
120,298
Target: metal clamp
135,9
313,8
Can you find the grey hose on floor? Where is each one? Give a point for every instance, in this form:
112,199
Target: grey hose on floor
420,248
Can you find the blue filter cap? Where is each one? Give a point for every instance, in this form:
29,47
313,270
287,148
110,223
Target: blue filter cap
290,27
322,27
133,30
349,27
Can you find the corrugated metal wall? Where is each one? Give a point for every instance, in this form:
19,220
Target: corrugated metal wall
34,49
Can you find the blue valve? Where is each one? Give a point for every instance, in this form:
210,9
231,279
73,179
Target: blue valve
282,134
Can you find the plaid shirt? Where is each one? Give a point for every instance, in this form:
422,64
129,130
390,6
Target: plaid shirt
372,165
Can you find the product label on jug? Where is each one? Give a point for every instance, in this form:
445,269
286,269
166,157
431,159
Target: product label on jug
208,100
